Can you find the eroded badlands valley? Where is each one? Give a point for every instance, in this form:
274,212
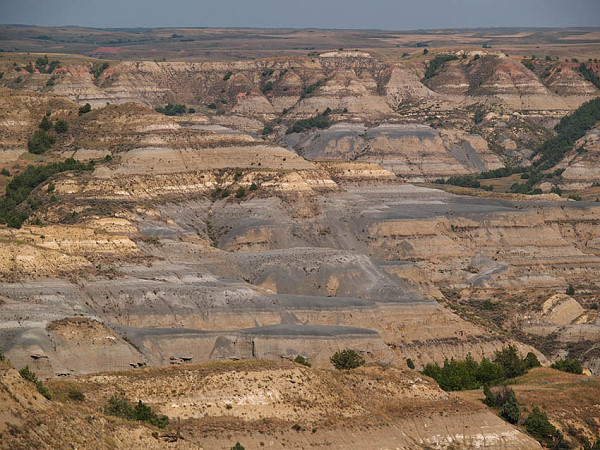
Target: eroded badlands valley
218,218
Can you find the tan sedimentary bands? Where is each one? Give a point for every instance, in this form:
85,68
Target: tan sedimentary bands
404,84
20,113
35,251
496,76
344,89
345,172
362,409
565,81
415,152
30,421
549,243
582,169
73,346
366,86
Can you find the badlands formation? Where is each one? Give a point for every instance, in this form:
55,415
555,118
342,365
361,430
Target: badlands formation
207,250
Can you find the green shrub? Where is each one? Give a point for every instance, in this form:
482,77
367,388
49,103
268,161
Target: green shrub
346,360
227,75
85,109
171,109
31,376
497,396
240,192
510,361
75,393
61,126
437,63
191,110
5,172
45,124
311,88
410,364
318,121
589,74
302,360
460,180
479,115
538,426
268,129
98,69
268,87
568,365
119,406
40,142
464,375
531,361
238,446
511,412
254,187
570,290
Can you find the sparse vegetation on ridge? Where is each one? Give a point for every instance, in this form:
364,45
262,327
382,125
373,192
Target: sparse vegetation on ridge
171,109
436,63
469,374
317,121
31,376
119,406
22,185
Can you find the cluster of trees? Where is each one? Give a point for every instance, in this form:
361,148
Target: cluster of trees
312,87
588,73
42,139
318,121
42,65
98,69
501,172
568,131
437,63
569,365
40,142
469,374
460,180
119,406
22,185
503,397
534,175
31,376
538,426
172,109
472,180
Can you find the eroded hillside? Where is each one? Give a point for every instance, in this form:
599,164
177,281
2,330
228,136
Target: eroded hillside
268,209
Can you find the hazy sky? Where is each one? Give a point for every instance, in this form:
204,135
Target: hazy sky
385,14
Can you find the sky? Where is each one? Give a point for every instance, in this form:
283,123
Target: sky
367,14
